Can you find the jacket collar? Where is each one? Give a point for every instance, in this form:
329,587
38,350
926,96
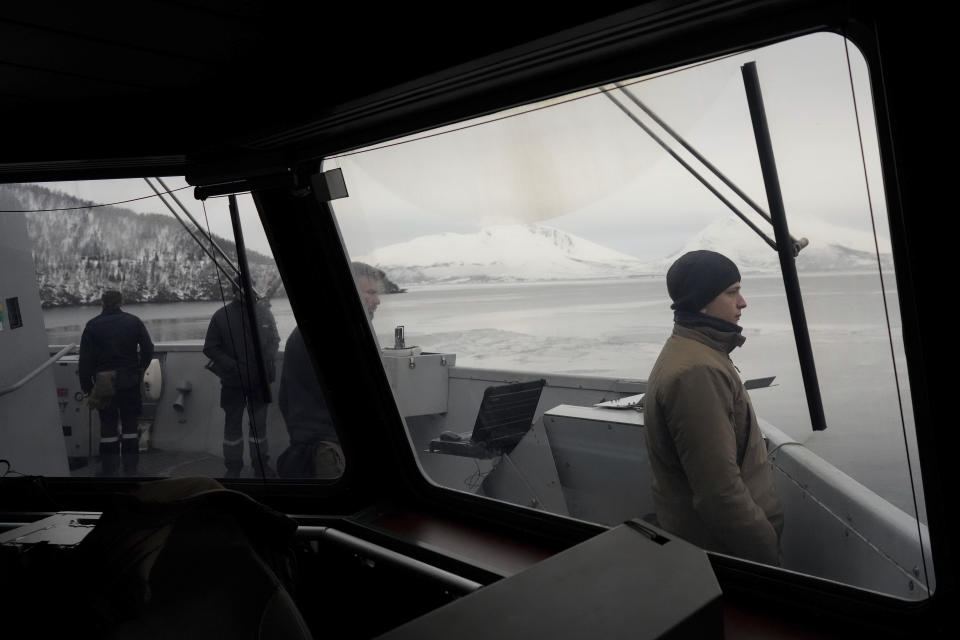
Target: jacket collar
724,341
698,319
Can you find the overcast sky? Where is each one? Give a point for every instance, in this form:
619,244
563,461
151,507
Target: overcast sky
581,165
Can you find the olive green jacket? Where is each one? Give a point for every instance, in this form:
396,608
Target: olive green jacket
711,481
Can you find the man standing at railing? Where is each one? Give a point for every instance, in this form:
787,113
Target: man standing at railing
712,484
115,349
230,345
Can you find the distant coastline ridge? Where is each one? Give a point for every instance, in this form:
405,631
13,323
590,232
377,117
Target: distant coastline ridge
149,257
537,253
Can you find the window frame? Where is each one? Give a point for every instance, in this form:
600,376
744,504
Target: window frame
660,41
740,576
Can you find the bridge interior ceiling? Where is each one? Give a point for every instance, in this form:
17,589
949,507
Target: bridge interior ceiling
206,77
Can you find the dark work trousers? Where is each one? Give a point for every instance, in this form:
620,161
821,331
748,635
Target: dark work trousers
123,408
233,402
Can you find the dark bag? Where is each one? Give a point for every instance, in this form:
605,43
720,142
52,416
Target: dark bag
104,388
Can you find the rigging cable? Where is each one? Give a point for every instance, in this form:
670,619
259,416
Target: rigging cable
219,281
475,480
192,235
797,244
186,211
472,124
686,165
886,311
89,206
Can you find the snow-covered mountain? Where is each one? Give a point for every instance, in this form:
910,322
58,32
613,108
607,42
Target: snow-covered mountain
502,253
151,258
516,253
831,247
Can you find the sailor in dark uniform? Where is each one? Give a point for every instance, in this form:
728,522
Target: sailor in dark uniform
230,346
115,349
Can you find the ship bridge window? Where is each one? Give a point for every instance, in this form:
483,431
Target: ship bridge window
533,245
198,405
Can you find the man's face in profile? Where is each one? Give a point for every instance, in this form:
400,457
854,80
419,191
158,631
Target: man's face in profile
728,305
369,289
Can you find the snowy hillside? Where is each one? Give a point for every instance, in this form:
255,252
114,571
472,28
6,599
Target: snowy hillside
831,248
501,253
151,258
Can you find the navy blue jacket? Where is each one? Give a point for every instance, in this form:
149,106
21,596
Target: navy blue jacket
229,344
114,340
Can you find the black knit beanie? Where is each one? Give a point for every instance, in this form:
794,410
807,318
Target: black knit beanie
697,277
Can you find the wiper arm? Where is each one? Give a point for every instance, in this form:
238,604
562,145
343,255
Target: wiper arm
788,266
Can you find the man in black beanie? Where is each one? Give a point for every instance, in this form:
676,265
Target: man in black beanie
712,484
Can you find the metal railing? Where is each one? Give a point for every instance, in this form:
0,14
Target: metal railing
33,374
374,552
